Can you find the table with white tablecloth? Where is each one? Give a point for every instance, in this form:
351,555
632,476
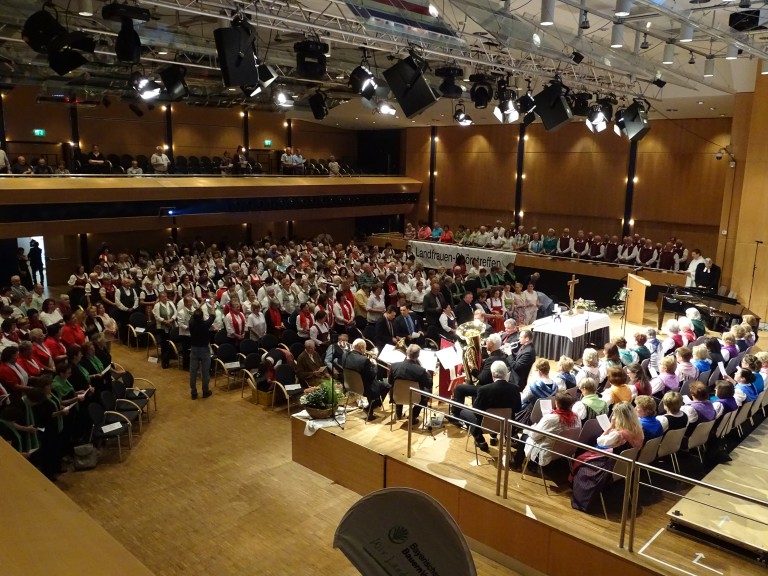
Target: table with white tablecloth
562,334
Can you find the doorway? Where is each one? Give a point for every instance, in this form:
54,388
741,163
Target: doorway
34,250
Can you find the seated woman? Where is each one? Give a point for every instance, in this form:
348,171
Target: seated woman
50,313
637,380
591,405
72,333
536,245
686,331
645,406
701,360
700,409
564,378
674,339
27,360
541,387
673,418
536,446
611,359
695,317
625,430
626,356
617,390
447,322
667,379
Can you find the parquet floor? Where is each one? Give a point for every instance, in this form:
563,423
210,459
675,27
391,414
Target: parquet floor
210,489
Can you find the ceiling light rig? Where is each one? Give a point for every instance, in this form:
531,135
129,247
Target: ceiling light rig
146,88
361,80
448,88
505,112
526,104
481,92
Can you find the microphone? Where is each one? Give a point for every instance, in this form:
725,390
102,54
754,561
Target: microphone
758,241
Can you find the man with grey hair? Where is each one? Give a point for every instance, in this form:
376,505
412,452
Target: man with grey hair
411,369
310,368
708,275
501,393
483,375
510,335
374,390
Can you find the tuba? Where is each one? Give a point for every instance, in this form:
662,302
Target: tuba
470,333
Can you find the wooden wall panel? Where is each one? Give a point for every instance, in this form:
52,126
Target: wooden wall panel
415,150
266,126
117,130
23,114
542,221
341,229
201,131
319,141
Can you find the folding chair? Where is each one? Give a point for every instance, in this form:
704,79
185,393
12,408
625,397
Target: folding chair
285,381
559,450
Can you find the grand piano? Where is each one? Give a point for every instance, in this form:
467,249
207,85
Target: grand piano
717,312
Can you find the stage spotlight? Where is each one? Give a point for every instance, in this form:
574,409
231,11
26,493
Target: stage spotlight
448,87
686,33
318,105
43,33
577,57
282,98
136,110
481,92
552,105
526,104
659,83
173,80
692,59
636,120
580,103
363,81
617,35
311,58
619,127
146,89
407,82
460,115
600,114
732,52
250,91
644,45
584,23
128,44
505,112
622,8
85,8
386,108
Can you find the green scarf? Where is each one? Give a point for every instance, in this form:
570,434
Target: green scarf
29,439
62,388
53,399
97,363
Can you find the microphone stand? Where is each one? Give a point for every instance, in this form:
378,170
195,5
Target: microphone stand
754,270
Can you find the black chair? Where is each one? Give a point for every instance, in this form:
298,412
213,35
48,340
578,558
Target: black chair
289,337
116,425
125,161
221,337
136,391
180,165
194,165
137,327
125,407
248,346
144,163
226,359
138,399
251,365
268,342
286,383
296,348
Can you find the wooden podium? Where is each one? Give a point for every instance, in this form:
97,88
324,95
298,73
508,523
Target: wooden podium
635,302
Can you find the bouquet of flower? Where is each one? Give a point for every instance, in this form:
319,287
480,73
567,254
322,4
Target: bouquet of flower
326,396
585,304
621,295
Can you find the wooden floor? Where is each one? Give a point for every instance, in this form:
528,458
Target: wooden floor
719,517
210,489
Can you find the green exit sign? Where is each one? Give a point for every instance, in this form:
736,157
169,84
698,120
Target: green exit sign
38,132
267,143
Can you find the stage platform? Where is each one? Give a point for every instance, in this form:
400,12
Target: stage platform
721,520
530,531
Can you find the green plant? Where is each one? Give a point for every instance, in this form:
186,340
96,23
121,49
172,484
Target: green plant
325,395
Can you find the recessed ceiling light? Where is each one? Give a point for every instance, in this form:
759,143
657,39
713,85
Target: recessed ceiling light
672,110
162,52
700,102
413,121
712,108
722,115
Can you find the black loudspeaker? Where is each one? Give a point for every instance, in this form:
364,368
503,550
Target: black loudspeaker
237,60
748,20
411,89
552,107
317,103
636,122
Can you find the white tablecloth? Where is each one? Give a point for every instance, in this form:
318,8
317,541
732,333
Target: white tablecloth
572,326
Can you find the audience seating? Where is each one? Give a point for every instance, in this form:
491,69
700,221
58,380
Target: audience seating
620,472
559,451
353,384
101,418
285,375
401,394
699,437
491,426
226,359
126,408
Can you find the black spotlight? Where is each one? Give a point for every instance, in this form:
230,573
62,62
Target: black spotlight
636,120
128,44
526,104
580,103
577,57
659,83
310,58
43,33
173,80
363,81
448,87
318,105
136,110
481,92
619,126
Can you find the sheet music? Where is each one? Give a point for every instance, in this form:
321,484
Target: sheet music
390,355
546,406
448,358
604,421
428,359
722,368
653,372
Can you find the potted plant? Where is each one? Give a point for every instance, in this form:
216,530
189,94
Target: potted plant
321,401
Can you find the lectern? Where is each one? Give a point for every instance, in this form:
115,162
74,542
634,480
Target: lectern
635,301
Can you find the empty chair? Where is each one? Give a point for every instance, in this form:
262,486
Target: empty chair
289,337
137,328
124,407
286,383
251,365
700,436
143,162
226,359
140,401
125,161
180,165
296,348
248,346
132,390
648,452
107,424
757,405
221,338
401,394
268,342
741,417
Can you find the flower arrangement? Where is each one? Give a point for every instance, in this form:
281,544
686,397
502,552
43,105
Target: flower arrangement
581,303
621,295
320,401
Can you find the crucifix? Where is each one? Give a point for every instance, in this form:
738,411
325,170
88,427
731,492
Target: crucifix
571,291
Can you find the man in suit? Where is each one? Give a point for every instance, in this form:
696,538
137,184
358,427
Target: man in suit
434,302
501,393
385,329
310,369
511,334
464,310
482,376
375,390
408,326
708,275
335,355
410,369
521,361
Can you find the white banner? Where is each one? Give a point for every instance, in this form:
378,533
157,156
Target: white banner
434,255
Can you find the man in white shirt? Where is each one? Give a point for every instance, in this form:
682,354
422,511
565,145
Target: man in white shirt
696,259
286,161
134,169
5,163
160,161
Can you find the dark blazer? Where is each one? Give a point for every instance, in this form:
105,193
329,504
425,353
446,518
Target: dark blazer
408,370
464,313
484,374
433,307
401,326
521,362
709,279
498,394
382,335
362,365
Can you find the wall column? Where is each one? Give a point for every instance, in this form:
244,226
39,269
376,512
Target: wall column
630,192
519,171
432,184
169,132
741,243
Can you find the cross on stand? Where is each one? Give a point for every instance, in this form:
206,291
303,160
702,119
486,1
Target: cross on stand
571,291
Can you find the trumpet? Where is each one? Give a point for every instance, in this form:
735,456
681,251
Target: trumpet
373,356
